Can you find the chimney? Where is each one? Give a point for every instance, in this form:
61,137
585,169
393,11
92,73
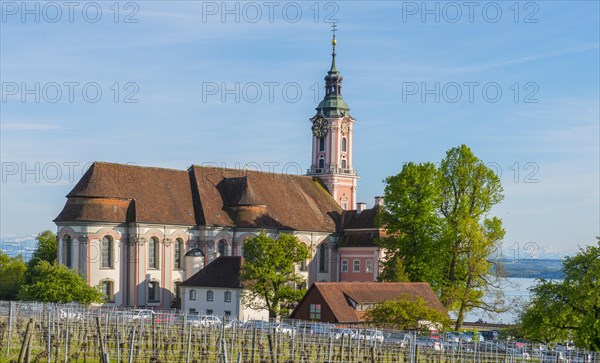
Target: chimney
360,206
378,201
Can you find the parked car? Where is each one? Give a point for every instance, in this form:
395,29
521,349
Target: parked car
451,336
285,328
209,320
70,314
429,343
371,335
345,333
233,324
399,338
164,318
258,325
553,356
138,314
490,335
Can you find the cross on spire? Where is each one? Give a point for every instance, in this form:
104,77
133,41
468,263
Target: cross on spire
333,43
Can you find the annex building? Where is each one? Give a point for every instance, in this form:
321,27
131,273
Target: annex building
139,232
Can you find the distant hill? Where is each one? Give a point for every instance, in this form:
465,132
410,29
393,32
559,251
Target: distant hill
533,268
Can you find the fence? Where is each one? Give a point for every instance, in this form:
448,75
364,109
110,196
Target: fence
36,332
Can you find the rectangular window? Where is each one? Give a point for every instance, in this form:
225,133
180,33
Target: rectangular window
153,291
323,257
192,294
344,265
107,253
68,252
227,313
315,312
356,266
192,311
369,266
153,249
209,295
177,254
209,312
227,296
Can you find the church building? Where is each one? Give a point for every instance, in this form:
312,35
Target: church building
139,232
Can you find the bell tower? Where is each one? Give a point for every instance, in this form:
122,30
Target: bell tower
332,130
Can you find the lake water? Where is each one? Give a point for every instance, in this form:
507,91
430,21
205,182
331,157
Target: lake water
515,292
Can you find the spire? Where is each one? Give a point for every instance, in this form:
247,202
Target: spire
333,43
333,105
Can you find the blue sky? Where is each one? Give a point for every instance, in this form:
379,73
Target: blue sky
176,58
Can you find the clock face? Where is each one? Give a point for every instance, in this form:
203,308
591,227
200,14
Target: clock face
320,127
345,127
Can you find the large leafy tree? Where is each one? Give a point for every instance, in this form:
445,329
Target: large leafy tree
269,272
57,283
567,309
12,276
413,226
47,250
406,313
439,230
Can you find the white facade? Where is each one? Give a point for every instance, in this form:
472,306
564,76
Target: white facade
221,302
130,274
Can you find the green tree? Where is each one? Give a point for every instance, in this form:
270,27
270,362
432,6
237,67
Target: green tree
269,272
413,226
437,224
47,250
567,309
406,313
12,276
57,283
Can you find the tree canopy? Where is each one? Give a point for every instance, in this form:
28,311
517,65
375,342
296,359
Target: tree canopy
567,309
58,283
47,250
269,272
438,229
406,313
12,276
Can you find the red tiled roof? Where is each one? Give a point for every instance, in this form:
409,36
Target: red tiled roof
204,196
336,296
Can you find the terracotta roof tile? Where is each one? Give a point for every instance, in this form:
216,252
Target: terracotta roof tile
205,196
336,296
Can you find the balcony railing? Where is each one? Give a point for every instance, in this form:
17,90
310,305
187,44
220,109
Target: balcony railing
329,169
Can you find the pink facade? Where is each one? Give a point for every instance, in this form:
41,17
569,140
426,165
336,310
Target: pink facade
359,264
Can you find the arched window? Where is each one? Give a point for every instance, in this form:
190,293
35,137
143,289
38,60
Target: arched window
323,257
107,252
344,142
153,291
192,294
321,144
209,295
222,249
67,251
153,253
227,296
178,253
108,290
343,163
321,163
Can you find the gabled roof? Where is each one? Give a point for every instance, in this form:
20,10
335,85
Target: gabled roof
336,296
225,272
201,196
